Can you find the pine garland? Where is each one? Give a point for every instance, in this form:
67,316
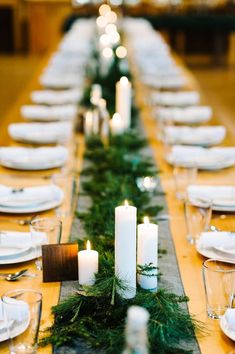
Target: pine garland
97,314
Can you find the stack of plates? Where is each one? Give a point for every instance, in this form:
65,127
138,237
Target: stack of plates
33,158
219,244
17,247
20,318
223,197
203,136
41,133
203,159
30,199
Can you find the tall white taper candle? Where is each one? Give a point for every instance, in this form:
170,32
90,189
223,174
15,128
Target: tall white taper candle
125,248
123,100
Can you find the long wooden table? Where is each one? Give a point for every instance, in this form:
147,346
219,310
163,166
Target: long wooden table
50,291
189,260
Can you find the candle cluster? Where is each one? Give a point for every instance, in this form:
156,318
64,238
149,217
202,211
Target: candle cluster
126,259
125,251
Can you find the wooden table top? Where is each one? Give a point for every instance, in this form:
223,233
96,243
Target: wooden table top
189,260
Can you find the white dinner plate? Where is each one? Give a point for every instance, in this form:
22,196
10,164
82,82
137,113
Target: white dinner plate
35,208
32,166
225,328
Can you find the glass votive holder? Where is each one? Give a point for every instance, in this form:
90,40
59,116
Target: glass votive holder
147,184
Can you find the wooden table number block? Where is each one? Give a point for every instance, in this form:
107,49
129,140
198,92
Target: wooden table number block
60,262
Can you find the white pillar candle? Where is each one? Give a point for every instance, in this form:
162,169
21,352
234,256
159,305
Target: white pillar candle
88,261
116,124
123,100
125,248
147,252
88,123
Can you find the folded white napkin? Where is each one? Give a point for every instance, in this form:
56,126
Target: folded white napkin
230,318
186,98
16,310
51,97
188,115
40,112
205,136
21,239
60,80
216,239
30,158
223,196
166,82
202,158
26,197
41,133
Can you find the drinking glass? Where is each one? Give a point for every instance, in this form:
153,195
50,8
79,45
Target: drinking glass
197,216
22,314
44,231
183,177
219,284
66,181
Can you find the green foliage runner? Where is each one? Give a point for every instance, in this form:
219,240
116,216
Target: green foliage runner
97,314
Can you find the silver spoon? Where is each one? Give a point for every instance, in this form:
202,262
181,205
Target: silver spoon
14,276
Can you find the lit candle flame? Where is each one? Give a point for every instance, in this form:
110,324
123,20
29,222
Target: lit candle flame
124,80
126,203
146,220
147,182
88,245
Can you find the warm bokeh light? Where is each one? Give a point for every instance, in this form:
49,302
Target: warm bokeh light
114,37
104,39
101,21
104,9
146,220
110,28
107,53
121,52
111,17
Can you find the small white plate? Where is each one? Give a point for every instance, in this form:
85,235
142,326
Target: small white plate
225,328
